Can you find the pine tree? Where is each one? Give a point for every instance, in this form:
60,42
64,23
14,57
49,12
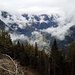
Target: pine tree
71,57
35,55
55,59
5,41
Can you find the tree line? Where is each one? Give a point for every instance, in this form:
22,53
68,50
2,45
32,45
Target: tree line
55,63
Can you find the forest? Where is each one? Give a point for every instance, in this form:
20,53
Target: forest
56,62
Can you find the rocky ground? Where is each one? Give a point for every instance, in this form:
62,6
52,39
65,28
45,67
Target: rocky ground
8,67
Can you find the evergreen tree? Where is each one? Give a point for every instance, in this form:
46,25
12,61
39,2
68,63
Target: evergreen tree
36,55
5,42
71,50
71,57
55,59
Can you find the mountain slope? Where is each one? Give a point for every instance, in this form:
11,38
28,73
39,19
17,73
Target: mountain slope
39,28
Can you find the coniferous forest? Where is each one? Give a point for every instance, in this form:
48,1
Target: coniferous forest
56,62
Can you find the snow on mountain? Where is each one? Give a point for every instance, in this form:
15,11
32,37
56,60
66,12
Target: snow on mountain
38,28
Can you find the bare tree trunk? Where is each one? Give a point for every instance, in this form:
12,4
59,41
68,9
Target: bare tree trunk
54,69
16,69
72,65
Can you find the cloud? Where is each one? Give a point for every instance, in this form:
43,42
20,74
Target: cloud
65,9
36,6
38,37
63,29
15,36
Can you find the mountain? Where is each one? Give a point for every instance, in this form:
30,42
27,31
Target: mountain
42,29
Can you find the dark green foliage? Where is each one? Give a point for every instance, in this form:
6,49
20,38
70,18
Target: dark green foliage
55,60
29,55
36,56
5,42
71,57
71,50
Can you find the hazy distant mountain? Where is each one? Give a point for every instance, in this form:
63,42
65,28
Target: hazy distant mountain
39,28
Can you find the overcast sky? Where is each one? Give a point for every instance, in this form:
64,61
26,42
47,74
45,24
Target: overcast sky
37,6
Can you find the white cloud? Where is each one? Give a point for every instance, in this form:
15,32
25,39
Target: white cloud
38,37
64,8
15,36
61,31
36,6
